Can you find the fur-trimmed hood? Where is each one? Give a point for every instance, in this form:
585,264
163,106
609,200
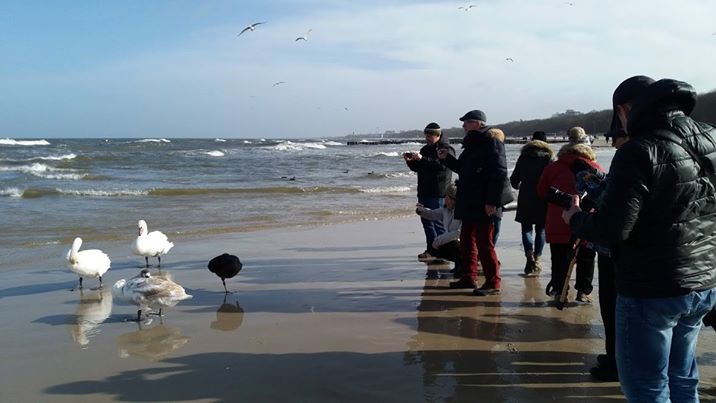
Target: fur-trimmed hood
580,150
537,148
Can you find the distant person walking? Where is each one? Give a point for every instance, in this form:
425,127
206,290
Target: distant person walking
482,168
433,179
531,209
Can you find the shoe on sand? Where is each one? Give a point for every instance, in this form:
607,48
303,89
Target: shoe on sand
584,297
485,291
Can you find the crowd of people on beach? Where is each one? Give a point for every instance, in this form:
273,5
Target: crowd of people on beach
651,221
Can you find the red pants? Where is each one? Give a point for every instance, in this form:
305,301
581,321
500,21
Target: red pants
476,241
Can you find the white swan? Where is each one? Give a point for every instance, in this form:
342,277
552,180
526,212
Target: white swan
149,293
153,244
87,263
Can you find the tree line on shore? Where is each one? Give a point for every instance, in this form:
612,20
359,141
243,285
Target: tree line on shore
594,122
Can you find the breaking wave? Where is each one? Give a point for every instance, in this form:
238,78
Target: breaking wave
10,142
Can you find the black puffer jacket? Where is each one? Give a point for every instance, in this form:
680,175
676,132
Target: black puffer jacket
482,168
534,157
658,210
433,176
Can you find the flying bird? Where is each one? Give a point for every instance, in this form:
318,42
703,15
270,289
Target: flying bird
149,293
278,83
251,27
509,59
87,263
467,8
225,266
304,37
154,244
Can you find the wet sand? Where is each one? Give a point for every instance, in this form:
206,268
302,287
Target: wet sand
337,313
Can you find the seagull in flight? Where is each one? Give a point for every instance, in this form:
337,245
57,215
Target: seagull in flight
251,27
509,59
304,37
467,8
278,83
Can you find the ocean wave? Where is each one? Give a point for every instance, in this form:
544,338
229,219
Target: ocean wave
58,157
45,171
32,193
11,192
387,189
151,141
215,153
333,143
220,140
386,154
291,146
10,142
266,190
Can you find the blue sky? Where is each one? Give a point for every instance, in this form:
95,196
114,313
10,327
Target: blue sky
177,68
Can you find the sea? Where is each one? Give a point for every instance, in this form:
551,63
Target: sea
53,190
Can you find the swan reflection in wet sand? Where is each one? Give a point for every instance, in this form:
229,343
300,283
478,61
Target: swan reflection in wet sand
228,316
93,309
153,343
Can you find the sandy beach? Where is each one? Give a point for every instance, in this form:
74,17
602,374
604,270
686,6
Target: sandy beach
333,313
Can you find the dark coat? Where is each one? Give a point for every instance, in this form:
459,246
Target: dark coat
659,211
433,176
560,175
534,157
482,168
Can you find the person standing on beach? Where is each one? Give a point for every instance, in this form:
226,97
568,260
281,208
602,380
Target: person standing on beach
482,168
433,179
560,174
658,213
531,209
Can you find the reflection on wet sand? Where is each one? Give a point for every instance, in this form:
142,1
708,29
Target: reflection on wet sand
228,316
94,308
493,349
153,343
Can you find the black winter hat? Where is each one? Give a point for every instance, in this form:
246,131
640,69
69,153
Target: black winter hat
539,135
431,128
474,115
626,92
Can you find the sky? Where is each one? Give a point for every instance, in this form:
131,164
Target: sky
137,68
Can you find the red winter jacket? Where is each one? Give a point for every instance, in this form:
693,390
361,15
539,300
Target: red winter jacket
560,175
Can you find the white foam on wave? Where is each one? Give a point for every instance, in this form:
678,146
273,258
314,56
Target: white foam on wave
399,174
387,189
102,193
386,154
215,153
291,146
45,171
220,140
152,141
10,142
59,157
333,143
11,192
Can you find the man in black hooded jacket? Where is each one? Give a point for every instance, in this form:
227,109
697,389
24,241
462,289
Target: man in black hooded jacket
658,214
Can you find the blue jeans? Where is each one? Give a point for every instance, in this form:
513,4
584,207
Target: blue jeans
537,246
656,345
432,228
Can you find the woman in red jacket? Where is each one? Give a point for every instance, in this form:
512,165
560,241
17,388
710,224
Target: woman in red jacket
560,175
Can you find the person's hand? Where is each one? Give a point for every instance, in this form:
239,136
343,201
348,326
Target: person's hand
567,214
417,156
490,210
419,208
442,153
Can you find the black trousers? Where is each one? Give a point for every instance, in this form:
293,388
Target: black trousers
561,257
607,301
450,251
